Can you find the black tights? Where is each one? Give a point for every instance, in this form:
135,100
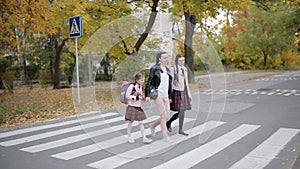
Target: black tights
180,115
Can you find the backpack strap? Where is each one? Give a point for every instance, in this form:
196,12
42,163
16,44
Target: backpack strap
133,88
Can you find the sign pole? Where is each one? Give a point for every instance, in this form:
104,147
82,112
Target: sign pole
76,30
77,69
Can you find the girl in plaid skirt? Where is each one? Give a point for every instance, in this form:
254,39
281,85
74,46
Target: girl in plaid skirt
181,96
134,111
161,79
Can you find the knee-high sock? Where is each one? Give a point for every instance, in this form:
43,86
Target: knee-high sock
181,119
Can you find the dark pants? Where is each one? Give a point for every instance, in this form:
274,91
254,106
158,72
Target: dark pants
180,115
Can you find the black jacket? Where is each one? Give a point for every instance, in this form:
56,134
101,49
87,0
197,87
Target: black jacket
154,80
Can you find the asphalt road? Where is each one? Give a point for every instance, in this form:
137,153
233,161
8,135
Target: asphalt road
251,123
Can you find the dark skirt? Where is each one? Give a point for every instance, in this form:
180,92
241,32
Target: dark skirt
135,113
180,101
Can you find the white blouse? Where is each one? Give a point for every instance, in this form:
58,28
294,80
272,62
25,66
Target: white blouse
163,87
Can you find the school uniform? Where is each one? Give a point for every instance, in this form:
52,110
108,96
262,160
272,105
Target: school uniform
180,97
134,111
181,94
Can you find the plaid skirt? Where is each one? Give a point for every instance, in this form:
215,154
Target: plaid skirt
180,101
135,113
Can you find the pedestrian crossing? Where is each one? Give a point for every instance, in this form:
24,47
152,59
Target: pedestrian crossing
251,92
264,153
207,150
259,157
283,78
71,154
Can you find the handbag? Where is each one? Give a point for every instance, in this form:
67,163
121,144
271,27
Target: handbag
153,93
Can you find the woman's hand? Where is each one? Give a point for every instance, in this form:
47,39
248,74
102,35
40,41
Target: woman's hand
147,99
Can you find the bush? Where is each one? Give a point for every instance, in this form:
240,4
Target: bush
4,64
8,80
3,114
44,77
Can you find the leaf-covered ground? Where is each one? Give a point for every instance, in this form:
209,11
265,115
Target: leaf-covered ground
27,105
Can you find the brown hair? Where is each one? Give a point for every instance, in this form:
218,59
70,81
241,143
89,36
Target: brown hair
158,56
176,76
138,76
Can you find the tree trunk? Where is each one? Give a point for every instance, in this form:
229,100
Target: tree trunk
190,22
149,26
265,60
50,48
58,50
23,69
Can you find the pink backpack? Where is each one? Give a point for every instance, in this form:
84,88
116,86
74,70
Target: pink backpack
124,88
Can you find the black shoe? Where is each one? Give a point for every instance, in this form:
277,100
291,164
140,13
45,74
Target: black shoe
183,133
169,126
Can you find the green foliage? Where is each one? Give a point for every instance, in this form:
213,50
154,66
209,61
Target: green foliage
198,65
259,37
4,64
242,62
132,65
4,109
44,77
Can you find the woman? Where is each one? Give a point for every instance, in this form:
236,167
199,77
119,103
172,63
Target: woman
181,96
160,78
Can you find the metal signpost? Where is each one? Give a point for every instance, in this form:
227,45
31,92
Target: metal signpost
76,31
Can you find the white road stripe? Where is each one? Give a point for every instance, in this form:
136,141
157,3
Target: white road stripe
31,129
58,132
263,93
80,137
268,150
254,92
126,157
71,154
209,149
293,91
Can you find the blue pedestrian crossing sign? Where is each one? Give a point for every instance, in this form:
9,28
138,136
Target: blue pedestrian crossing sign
75,27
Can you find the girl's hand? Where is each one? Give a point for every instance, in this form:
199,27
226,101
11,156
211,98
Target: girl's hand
147,99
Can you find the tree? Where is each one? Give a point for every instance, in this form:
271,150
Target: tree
95,15
194,11
22,19
154,6
262,34
130,46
